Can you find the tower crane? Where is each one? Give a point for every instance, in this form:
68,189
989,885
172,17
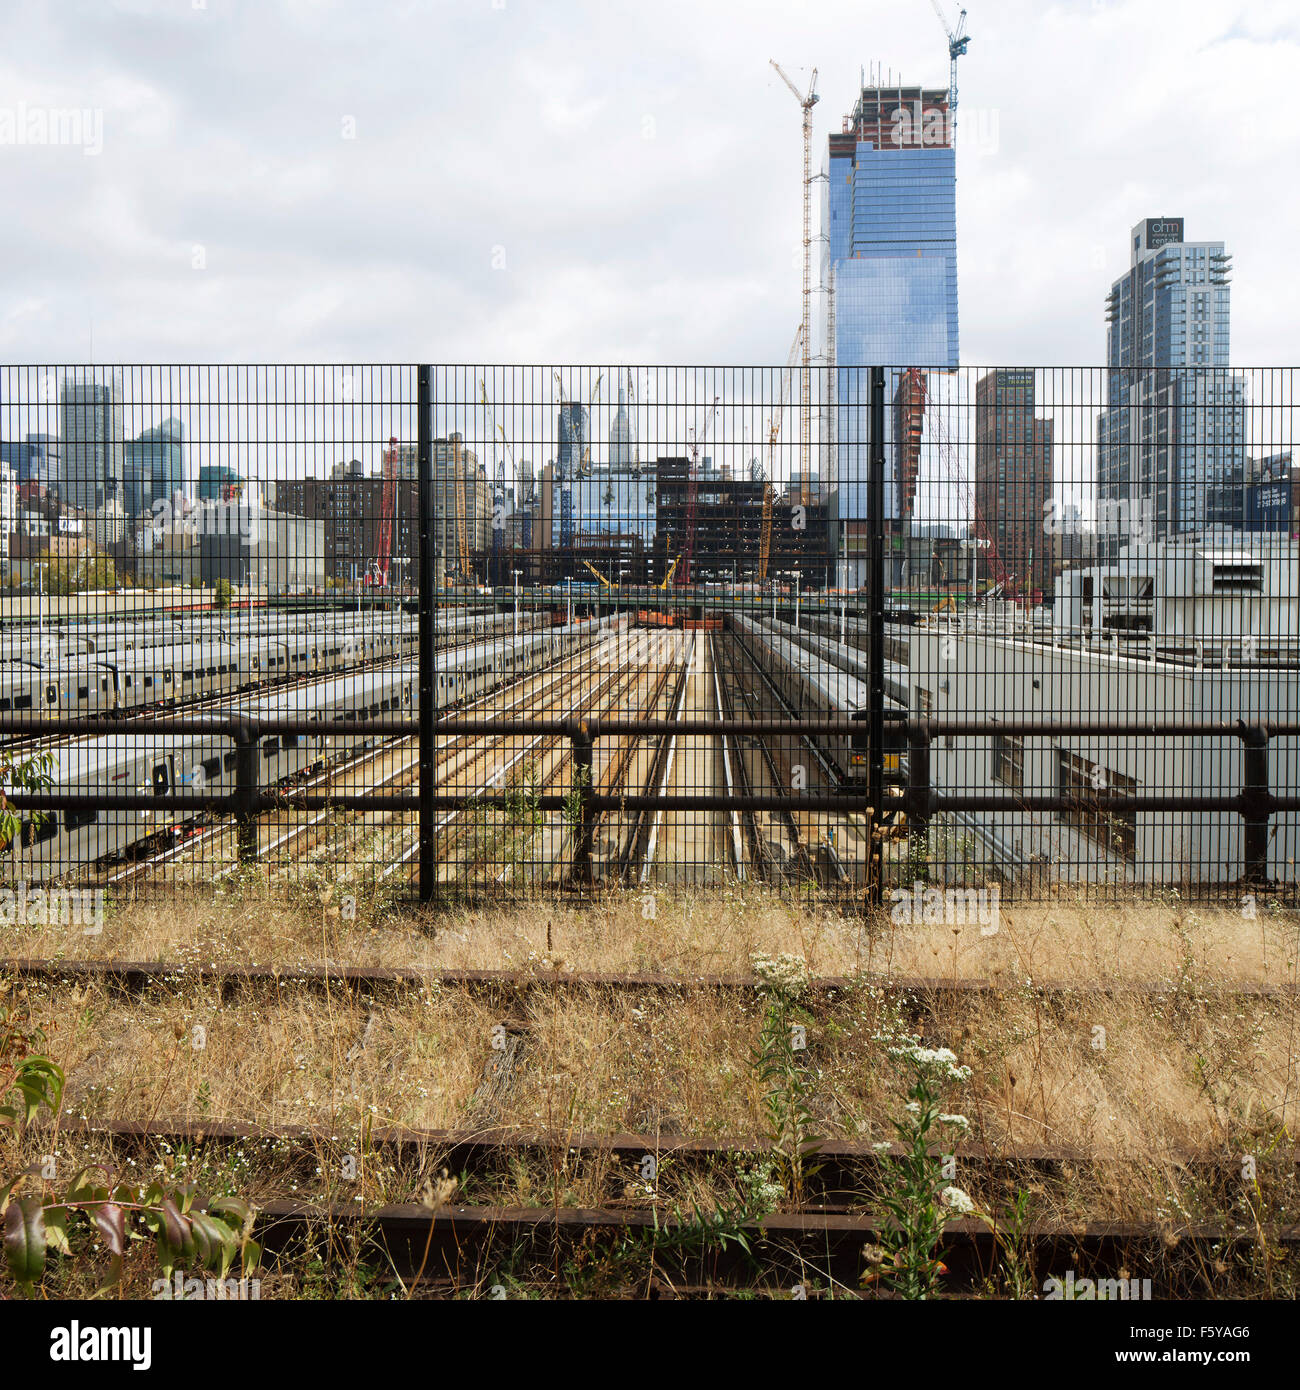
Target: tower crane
806,104
769,488
958,39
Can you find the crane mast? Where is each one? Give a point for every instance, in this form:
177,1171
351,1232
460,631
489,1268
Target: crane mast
806,104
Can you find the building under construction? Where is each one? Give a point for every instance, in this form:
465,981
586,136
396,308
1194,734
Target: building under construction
727,530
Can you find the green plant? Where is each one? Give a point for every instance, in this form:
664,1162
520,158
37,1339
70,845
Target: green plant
186,1231
34,774
918,1197
785,1084
222,593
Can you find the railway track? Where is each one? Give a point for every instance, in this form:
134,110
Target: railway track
829,1243
924,994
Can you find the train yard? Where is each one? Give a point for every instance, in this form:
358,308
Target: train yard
363,670
578,1076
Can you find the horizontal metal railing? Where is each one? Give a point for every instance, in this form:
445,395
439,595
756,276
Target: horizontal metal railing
1254,802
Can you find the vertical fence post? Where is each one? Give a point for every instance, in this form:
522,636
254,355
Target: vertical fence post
425,572
246,789
1256,801
876,654
918,795
585,822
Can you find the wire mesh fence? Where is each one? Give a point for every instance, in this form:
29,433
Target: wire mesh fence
489,632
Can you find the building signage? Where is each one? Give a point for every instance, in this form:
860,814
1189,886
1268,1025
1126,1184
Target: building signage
1161,231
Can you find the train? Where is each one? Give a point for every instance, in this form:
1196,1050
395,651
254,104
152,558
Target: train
815,687
51,845
115,680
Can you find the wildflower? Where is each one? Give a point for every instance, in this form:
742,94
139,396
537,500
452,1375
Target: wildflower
786,974
957,1201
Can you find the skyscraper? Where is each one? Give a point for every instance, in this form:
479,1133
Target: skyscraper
153,467
91,422
620,437
571,458
889,264
1174,424
1013,475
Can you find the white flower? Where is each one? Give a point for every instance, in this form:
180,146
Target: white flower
957,1201
787,974
958,1121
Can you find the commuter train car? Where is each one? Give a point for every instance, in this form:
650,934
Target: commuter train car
56,843
815,688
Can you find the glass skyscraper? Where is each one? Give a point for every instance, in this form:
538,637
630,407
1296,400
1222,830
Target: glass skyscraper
153,467
1173,432
889,264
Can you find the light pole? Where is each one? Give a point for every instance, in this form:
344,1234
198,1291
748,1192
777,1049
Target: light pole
516,574
568,590
798,579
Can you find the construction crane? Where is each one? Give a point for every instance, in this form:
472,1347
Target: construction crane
958,39
806,104
605,582
769,488
387,507
672,569
692,488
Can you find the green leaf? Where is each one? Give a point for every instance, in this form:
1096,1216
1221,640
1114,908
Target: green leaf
25,1239
56,1230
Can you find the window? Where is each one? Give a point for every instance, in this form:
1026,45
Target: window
1009,761
77,820
924,702
1114,831
212,768
271,749
230,761
38,834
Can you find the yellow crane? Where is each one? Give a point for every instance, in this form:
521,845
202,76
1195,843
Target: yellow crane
806,104
598,574
672,569
769,489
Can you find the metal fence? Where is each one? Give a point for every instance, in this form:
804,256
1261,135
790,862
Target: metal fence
480,632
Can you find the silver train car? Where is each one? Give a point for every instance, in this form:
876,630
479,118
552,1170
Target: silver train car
54,844
816,688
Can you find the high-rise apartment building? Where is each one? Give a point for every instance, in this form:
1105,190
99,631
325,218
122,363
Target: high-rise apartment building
1013,476
91,423
889,265
1173,429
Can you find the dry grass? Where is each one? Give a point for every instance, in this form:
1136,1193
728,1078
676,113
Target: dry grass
710,934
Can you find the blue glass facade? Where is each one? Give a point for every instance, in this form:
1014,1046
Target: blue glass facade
890,214
153,467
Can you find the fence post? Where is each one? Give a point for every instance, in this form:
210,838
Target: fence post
427,657
919,795
876,654
1256,801
585,827
247,794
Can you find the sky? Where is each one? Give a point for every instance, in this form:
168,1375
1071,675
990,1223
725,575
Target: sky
561,181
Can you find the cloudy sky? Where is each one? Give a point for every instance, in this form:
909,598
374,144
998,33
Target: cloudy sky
553,180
